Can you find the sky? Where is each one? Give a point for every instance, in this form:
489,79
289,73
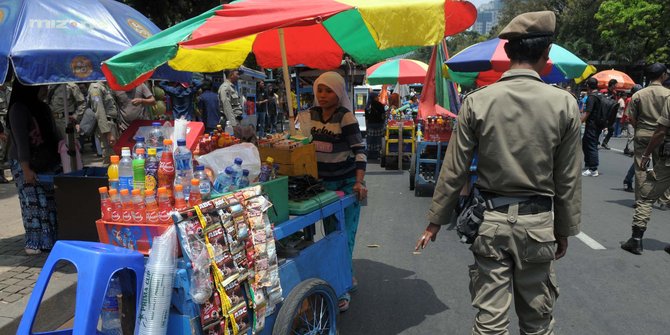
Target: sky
478,3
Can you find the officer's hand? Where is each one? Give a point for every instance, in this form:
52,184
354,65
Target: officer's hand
562,243
136,101
111,139
429,235
644,162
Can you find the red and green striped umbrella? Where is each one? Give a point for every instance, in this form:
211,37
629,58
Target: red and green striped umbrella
397,71
316,33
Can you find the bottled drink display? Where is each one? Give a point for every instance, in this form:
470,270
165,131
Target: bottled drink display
113,172
183,161
139,144
164,206
237,170
204,185
105,204
179,200
267,170
224,181
110,313
117,206
126,170
138,170
151,170
139,208
151,207
194,197
244,180
127,206
166,171
156,136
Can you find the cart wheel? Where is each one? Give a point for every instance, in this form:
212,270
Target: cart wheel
382,160
412,172
310,309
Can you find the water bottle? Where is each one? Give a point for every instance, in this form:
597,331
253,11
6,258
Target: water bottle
126,170
224,180
113,172
156,137
266,170
139,143
110,313
229,129
183,161
139,177
151,165
244,180
237,170
204,185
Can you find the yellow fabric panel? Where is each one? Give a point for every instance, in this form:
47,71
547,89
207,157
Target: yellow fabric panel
587,73
402,22
229,55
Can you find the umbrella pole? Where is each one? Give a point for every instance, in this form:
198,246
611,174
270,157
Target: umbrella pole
287,82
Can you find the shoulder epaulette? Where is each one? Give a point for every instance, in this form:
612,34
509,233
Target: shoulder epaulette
475,90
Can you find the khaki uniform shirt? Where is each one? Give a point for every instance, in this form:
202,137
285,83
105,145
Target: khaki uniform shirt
646,104
4,99
229,102
73,98
664,119
527,135
102,103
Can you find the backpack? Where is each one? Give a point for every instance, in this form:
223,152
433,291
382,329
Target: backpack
604,111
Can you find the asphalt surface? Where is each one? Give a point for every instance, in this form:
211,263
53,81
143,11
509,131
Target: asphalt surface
602,291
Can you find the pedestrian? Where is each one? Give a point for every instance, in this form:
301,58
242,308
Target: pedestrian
33,150
230,103
591,130
182,96
611,93
375,116
5,94
208,103
64,97
530,180
650,115
261,107
132,105
340,153
106,115
272,109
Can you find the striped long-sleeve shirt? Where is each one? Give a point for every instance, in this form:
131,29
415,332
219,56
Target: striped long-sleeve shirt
340,149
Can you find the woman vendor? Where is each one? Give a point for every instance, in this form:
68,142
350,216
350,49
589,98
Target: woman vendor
340,152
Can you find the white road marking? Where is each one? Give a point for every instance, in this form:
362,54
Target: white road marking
593,244
617,150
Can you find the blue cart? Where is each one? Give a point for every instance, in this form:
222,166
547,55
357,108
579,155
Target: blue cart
310,281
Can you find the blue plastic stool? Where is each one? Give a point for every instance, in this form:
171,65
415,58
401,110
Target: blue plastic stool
96,263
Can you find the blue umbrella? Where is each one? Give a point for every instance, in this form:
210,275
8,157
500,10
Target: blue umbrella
50,41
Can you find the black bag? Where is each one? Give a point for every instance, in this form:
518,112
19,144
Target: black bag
604,111
44,156
471,217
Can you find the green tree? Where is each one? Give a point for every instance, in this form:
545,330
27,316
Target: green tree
168,13
578,31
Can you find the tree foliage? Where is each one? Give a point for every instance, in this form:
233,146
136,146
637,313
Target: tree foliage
168,13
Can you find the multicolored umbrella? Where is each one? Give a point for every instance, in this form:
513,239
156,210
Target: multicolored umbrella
316,33
624,82
397,71
484,63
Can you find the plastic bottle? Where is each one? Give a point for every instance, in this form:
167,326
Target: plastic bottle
194,197
127,206
179,201
224,181
237,170
139,208
105,204
166,170
164,206
229,129
110,313
183,161
126,170
244,180
117,206
139,143
266,170
113,172
156,138
204,185
151,207
139,177
151,171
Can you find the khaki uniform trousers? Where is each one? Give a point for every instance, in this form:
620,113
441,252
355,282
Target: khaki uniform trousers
655,186
107,150
641,140
514,258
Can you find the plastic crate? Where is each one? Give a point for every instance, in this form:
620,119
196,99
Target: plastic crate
131,236
277,191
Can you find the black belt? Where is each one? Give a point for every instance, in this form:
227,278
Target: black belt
527,205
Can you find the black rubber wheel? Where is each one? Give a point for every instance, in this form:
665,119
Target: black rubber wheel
412,172
310,309
382,160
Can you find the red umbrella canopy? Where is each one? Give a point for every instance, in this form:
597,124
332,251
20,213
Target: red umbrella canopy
624,82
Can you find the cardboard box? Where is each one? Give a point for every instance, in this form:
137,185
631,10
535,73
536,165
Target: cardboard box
295,162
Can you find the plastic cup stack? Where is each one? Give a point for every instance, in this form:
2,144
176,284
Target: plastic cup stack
154,311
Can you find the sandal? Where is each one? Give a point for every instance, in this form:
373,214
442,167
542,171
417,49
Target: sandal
354,285
33,251
343,302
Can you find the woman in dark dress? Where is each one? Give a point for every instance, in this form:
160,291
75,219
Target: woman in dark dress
375,117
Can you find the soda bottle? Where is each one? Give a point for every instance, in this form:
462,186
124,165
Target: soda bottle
110,314
139,144
126,170
166,171
205,186
164,206
127,206
156,138
139,208
224,181
194,197
151,207
266,170
105,204
139,177
151,171
113,172
117,206
179,201
244,180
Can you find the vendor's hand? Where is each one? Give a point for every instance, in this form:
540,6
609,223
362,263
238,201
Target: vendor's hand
136,101
360,190
29,176
562,248
644,162
429,235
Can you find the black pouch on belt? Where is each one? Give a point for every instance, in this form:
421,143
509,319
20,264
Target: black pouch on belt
471,217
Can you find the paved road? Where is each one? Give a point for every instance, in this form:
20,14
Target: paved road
605,291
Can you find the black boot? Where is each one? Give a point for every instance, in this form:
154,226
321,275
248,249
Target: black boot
634,244
667,249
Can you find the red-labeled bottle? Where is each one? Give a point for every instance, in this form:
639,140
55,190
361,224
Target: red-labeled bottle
117,206
166,171
105,204
194,197
139,208
164,206
127,208
179,201
151,207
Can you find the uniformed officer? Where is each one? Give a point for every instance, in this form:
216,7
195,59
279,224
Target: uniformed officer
657,181
229,99
106,114
529,175
66,96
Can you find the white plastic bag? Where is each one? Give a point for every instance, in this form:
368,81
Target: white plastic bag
180,129
219,159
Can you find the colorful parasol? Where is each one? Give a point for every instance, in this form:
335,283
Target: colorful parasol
317,34
484,63
397,71
624,82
